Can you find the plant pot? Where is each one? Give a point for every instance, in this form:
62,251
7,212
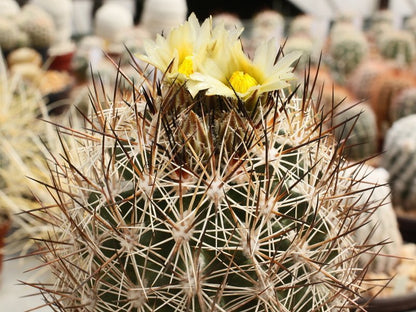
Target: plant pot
4,229
61,62
407,226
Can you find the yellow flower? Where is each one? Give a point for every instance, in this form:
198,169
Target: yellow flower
186,46
232,74
176,53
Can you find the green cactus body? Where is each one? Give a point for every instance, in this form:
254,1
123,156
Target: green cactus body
347,50
398,46
398,160
403,104
181,202
358,127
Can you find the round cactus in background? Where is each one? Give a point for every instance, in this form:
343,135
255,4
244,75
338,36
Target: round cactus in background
160,16
383,91
361,80
399,160
204,192
304,45
356,127
9,8
301,25
111,20
347,50
403,104
398,46
38,25
9,33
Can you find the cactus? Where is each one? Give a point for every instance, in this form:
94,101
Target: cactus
303,44
382,226
185,197
380,22
358,127
61,13
9,8
347,50
383,91
398,46
403,104
301,25
362,79
9,34
38,25
111,19
267,25
399,160
22,154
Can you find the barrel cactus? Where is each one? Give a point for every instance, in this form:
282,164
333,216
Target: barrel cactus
9,33
357,127
397,45
301,25
384,89
38,25
347,50
403,104
362,79
303,44
399,160
211,190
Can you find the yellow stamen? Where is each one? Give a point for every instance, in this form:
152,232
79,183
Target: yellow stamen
186,67
241,81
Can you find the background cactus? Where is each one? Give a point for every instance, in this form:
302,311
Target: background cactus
398,46
9,34
383,91
358,127
22,154
403,104
38,25
347,50
398,159
303,44
180,203
361,80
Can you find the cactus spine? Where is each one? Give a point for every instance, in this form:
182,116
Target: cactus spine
181,198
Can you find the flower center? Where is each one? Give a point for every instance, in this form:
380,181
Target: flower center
186,67
242,81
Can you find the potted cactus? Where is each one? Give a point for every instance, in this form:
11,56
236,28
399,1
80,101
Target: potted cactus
212,189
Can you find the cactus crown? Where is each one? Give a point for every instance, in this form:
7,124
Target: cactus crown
186,196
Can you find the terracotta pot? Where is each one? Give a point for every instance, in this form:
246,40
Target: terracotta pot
4,229
61,62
